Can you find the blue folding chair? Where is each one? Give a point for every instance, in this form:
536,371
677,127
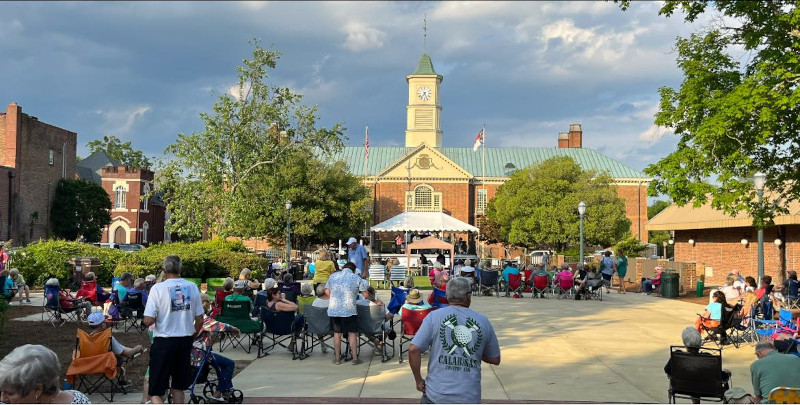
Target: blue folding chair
439,298
397,300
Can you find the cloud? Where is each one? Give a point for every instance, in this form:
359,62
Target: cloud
239,93
654,133
360,37
120,122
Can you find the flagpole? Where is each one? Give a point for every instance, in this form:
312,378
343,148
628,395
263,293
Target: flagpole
366,151
485,193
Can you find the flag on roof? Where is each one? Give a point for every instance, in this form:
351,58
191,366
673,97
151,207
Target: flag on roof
478,141
366,143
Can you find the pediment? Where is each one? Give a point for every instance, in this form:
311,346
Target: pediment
425,162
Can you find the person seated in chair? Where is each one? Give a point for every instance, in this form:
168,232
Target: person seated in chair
251,284
68,302
509,269
205,338
139,286
238,290
9,289
732,292
21,285
649,283
277,302
436,272
713,313
121,288
97,324
407,284
591,282
772,369
693,341
100,294
323,297
414,301
369,298
149,281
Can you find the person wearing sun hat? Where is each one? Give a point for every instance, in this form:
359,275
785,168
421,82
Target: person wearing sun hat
414,301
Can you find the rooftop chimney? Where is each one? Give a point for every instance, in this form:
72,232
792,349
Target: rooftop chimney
575,136
563,140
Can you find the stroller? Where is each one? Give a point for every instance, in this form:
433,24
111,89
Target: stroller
201,377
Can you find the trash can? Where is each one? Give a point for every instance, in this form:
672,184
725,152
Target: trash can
81,266
669,284
700,286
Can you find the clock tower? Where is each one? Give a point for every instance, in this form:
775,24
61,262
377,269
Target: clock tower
423,113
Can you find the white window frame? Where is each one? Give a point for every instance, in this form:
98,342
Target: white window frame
145,228
146,201
120,197
52,157
417,201
481,201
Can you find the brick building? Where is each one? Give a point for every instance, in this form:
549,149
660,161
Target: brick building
134,219
34,156
425,176
719,243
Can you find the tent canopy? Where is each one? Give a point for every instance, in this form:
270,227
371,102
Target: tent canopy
430,243
423,222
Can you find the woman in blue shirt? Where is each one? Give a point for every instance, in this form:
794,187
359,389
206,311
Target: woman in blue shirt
713,314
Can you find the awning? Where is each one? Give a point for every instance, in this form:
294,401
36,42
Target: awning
429,243
423,222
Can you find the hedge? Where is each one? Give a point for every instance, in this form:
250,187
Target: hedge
202,260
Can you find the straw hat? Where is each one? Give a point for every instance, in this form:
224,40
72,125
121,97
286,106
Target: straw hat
414,297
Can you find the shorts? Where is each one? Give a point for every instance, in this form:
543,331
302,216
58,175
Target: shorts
345,324
170,357
606,277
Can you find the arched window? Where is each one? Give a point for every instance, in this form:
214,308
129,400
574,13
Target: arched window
120,197
145,228
146,201
509,168
423,198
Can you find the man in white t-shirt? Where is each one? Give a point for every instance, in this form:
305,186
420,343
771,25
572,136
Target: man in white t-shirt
175,308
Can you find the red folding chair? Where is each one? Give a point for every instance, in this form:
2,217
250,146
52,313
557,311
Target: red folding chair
410,322
88,292
528,280
219,297
514,285
540,284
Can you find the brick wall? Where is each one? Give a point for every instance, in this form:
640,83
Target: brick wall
635,197
134,213
391,199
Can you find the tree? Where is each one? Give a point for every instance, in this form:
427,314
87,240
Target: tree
121,151
80,210
656,207
631,247
257,151
538,206
736,112
657,237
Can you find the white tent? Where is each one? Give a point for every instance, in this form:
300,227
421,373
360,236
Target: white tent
423,222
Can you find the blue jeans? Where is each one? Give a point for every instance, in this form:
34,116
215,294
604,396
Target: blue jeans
647,286
224,368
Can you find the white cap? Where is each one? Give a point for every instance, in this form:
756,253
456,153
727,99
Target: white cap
351,241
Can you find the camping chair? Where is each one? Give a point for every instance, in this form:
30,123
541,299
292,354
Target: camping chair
410,322
52,307
439,298
489,282
304,302
719,334
219,298
527,275
317,329
88,292
93,364
292,290
132,311
397,300
377,273
371,319
514,285
744,328
565,288
237,314
397,275
278,328
793,295
768,329
784,395
696,375
539,285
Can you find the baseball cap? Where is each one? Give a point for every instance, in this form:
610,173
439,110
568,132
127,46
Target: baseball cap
95,319
239,284
351,241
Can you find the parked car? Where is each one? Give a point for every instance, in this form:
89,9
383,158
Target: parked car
536,256
130,247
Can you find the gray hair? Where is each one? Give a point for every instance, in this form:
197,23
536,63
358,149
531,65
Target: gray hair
305,289
566,265
52,281
13,272
227,285
468,262
172,265
320,290
438,265
408,282
691,338
151,277
29,365
457,289
762,346
89,276
138,284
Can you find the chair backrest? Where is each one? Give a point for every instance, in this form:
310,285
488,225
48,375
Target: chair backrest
729,316
794,288
397,300
699,374
767,311
236,310
291,290
277,323
514,281
259,302
317,321
439,298
370,318
528,275
785,317
412,319
784,395
489,278
540,282
88,290
565,282
376,273
51,296
398,273
134,300
220,296
304,302
95,344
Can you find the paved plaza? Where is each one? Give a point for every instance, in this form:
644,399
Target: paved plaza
552,350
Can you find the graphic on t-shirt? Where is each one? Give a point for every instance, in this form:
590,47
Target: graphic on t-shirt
467,337
181,301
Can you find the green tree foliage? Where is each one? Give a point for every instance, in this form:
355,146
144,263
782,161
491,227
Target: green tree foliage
736,112
631,246
538,206
121,151
257,151
80,209
657,237
656,207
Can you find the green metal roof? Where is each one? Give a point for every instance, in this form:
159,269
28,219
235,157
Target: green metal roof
496,159
425,66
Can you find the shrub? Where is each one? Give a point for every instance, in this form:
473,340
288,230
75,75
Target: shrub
41,260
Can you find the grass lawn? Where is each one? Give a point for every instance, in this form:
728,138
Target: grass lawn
421,282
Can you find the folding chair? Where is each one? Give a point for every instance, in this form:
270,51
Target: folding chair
371,319
439,298
719,334
317,329
539,285
237,314
514,285
397,275
131,310
291,290
377,273
768,329
397,300
88,292
219,298
784,395
565,288
410,322
696,375
744,328
304,302
489,282
527,276
278,328
793,295
51,307
93,364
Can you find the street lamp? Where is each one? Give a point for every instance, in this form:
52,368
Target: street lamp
288,232
759,180
581,213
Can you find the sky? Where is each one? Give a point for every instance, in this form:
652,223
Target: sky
144,71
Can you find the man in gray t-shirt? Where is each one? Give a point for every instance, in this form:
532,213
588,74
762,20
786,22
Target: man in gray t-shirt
459,339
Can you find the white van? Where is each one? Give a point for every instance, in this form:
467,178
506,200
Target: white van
536,257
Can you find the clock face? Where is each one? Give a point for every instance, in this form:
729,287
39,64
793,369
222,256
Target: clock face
424,93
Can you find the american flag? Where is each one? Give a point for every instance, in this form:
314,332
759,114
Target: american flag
366,143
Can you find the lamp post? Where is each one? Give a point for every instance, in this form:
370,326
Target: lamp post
581,213
759,180
288,233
